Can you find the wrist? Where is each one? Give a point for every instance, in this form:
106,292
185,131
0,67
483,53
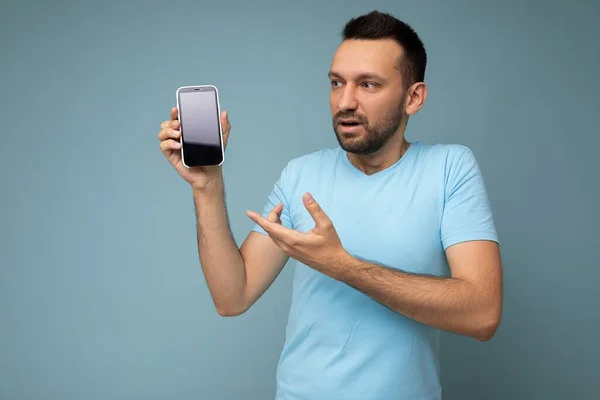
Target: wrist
342,262
209,190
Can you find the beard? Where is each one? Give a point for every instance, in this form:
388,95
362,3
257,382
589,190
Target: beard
377,135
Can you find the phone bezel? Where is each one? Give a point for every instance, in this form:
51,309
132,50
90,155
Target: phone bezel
193,88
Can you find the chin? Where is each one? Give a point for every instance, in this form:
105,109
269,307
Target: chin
359,151
356,147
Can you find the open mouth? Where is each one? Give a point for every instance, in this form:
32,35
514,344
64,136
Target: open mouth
349,127
349,123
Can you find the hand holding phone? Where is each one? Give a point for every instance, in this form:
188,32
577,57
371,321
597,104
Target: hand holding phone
200,162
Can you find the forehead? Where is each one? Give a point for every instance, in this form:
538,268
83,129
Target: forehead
355,57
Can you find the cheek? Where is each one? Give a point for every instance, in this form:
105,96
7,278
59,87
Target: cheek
373,106
371,114
380,111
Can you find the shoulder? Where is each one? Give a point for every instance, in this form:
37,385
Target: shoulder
445,152
317,157
314,160
450,157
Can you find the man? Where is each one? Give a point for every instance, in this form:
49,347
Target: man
394,241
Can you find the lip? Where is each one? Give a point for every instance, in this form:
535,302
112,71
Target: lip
349,129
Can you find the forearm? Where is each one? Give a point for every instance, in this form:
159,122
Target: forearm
449,304
220,257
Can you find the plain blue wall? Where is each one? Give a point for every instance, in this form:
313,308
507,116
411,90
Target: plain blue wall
101,294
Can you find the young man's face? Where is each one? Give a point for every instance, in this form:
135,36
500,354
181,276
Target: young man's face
367,93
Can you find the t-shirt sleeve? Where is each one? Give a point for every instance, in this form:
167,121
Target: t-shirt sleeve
280,193
467,213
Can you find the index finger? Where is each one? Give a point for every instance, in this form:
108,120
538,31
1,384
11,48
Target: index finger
273,228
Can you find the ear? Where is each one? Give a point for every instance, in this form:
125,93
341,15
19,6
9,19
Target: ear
416,96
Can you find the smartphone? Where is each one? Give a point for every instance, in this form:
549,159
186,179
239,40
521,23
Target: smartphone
200,126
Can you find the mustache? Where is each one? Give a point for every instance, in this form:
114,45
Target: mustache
349,115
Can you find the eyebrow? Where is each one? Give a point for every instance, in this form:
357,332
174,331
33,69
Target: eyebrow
362,76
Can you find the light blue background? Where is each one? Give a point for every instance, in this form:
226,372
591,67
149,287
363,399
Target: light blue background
101,294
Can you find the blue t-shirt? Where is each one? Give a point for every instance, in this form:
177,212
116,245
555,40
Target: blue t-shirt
340,343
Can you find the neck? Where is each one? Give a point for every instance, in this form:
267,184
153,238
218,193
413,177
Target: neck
384,158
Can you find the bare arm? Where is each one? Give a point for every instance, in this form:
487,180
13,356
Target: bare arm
236,278
467,303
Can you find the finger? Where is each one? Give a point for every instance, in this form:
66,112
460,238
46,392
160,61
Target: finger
170,124
262,222
225,126
169,133
321,219
169,145
275,214
174,113
275,230
225,121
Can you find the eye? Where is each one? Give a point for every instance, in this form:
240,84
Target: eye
335,83
369,85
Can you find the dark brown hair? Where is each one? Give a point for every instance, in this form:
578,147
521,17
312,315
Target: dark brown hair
377,25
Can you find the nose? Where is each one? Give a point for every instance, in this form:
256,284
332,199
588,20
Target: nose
347,101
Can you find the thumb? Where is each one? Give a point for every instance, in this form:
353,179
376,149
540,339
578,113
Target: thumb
275,214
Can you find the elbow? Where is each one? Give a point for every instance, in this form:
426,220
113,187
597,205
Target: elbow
488,326
486,331
232,305
230,310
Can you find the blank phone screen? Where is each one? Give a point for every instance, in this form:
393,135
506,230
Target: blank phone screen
200,130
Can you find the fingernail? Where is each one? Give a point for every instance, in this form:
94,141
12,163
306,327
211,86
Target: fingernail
308,198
